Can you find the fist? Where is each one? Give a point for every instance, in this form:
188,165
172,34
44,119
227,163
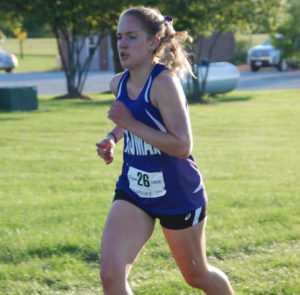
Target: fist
105,150
120,114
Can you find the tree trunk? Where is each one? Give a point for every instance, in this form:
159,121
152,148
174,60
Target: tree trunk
21,48
117,64
75,70
210,53
196,62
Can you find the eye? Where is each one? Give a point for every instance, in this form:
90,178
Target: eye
132,37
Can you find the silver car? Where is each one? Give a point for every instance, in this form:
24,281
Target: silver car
265,55
7,61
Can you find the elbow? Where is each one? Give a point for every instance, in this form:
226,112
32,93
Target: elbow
184,151
184,154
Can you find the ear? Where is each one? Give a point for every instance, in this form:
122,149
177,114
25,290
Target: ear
154,43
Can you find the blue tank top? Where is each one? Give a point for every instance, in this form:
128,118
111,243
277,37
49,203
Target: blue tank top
158,182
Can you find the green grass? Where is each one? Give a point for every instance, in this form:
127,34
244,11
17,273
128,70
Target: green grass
55,194
36,63
32,46
39,54
251,39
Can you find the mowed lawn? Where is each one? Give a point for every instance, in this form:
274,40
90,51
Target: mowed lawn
39,54
55,194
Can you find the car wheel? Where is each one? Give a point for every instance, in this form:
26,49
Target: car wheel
283,65
8,70
254,68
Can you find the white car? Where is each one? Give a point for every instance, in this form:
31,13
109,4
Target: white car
7,61
265,55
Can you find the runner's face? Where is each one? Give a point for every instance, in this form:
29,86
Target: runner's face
133,43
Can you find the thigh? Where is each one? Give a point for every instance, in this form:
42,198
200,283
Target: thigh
126,231
188,247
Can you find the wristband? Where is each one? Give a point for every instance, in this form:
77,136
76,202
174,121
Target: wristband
113,135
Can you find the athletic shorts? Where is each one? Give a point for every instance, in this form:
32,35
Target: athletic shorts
179,221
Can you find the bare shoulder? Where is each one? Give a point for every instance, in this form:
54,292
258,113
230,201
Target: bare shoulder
114,82
166,88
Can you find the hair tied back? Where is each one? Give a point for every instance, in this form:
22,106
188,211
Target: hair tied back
168,18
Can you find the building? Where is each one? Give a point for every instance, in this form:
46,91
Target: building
102,59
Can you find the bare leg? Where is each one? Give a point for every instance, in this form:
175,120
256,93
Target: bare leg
189,250
126,231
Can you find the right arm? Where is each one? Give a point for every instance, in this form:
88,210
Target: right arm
105,147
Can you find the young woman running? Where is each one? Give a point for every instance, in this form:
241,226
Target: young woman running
159,177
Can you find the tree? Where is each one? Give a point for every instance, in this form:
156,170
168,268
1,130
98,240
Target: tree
289,30
9,19
72,23
203,17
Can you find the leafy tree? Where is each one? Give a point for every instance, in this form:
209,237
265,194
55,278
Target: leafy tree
9,19
203,17
289,43
72,23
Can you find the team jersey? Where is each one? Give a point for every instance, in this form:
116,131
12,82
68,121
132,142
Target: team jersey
158,182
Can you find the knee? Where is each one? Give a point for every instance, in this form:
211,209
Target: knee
196,281
211,281
107,277
111,277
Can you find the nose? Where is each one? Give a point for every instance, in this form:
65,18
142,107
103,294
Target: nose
122,43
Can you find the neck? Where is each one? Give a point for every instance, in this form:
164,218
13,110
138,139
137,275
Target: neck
138,76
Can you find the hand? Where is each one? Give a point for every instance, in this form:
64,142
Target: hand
120,114
105,149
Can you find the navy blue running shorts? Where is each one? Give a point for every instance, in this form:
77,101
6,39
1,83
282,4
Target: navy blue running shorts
179,221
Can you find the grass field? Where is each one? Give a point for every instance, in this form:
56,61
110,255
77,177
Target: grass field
39,54
55,194
251,39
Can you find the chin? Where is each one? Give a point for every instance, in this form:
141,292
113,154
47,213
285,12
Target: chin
131,65
125,65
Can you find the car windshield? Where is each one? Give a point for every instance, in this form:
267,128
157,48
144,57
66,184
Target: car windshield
267,42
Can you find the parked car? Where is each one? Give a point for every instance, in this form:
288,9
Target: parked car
7,61
265,55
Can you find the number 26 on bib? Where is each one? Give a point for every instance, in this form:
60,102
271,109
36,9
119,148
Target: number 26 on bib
146,184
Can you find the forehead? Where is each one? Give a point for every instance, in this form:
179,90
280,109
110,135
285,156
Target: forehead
129,23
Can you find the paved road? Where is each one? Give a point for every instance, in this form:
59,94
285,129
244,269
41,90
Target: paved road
269,80
54,82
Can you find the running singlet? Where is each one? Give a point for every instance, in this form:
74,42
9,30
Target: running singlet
158,182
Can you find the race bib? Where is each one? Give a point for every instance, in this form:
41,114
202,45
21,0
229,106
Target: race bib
146,184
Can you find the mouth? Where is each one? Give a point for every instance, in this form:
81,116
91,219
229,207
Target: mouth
123,55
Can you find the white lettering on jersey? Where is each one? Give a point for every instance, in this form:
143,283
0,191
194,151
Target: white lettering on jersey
136,146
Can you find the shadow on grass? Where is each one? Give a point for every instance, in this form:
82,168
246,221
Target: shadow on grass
211,100
106,99
84,253
81,252
92,103
226,99
3,119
